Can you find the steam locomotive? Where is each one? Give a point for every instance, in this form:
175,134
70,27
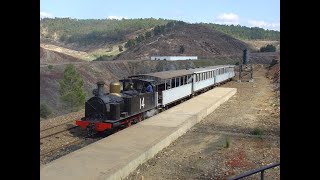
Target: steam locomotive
129,101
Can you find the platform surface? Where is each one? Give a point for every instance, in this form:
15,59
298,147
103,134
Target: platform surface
115,156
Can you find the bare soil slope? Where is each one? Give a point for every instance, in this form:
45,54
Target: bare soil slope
197,40
53,57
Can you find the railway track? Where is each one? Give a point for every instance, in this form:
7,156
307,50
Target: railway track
56,126
78,141
58,132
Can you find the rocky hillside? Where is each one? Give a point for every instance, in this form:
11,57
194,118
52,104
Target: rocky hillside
53,57
197,40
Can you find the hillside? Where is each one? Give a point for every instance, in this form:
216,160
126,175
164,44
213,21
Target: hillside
91,34
246,33
88,34
197,40
53,57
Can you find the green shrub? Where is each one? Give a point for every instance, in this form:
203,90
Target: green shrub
50,67
44,111
257,132
268,48
104,58
227,143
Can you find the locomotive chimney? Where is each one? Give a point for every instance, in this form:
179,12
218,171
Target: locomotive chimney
100,85
245,56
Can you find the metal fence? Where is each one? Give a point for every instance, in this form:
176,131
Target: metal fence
261,170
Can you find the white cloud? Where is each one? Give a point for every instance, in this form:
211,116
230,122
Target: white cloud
45,15
117,17
228,18
265,25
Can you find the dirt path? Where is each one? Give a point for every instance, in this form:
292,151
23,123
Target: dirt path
249,123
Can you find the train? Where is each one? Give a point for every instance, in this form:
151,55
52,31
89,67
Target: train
137,97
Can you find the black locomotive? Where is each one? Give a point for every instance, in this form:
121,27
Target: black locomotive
128,102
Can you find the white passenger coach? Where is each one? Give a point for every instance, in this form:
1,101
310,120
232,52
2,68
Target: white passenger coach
171,86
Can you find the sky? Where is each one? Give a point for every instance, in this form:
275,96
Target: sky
250,13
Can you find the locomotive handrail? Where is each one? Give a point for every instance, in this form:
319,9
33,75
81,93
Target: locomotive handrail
249,173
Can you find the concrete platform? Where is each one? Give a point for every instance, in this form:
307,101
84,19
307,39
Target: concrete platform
116,156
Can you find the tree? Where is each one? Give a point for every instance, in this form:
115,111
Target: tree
148,34
268,48
71,90
181,50
120,48
139,38
130,43
44,111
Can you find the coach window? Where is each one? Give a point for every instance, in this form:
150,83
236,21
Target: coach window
173,82
177,82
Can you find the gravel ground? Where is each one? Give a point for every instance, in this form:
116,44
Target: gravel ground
71,117
61,139
240,135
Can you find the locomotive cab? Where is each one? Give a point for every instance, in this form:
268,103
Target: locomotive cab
137,85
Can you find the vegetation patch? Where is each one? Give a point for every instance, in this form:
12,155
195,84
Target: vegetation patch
257,132
45,111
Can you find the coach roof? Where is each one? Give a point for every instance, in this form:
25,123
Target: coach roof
179,73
